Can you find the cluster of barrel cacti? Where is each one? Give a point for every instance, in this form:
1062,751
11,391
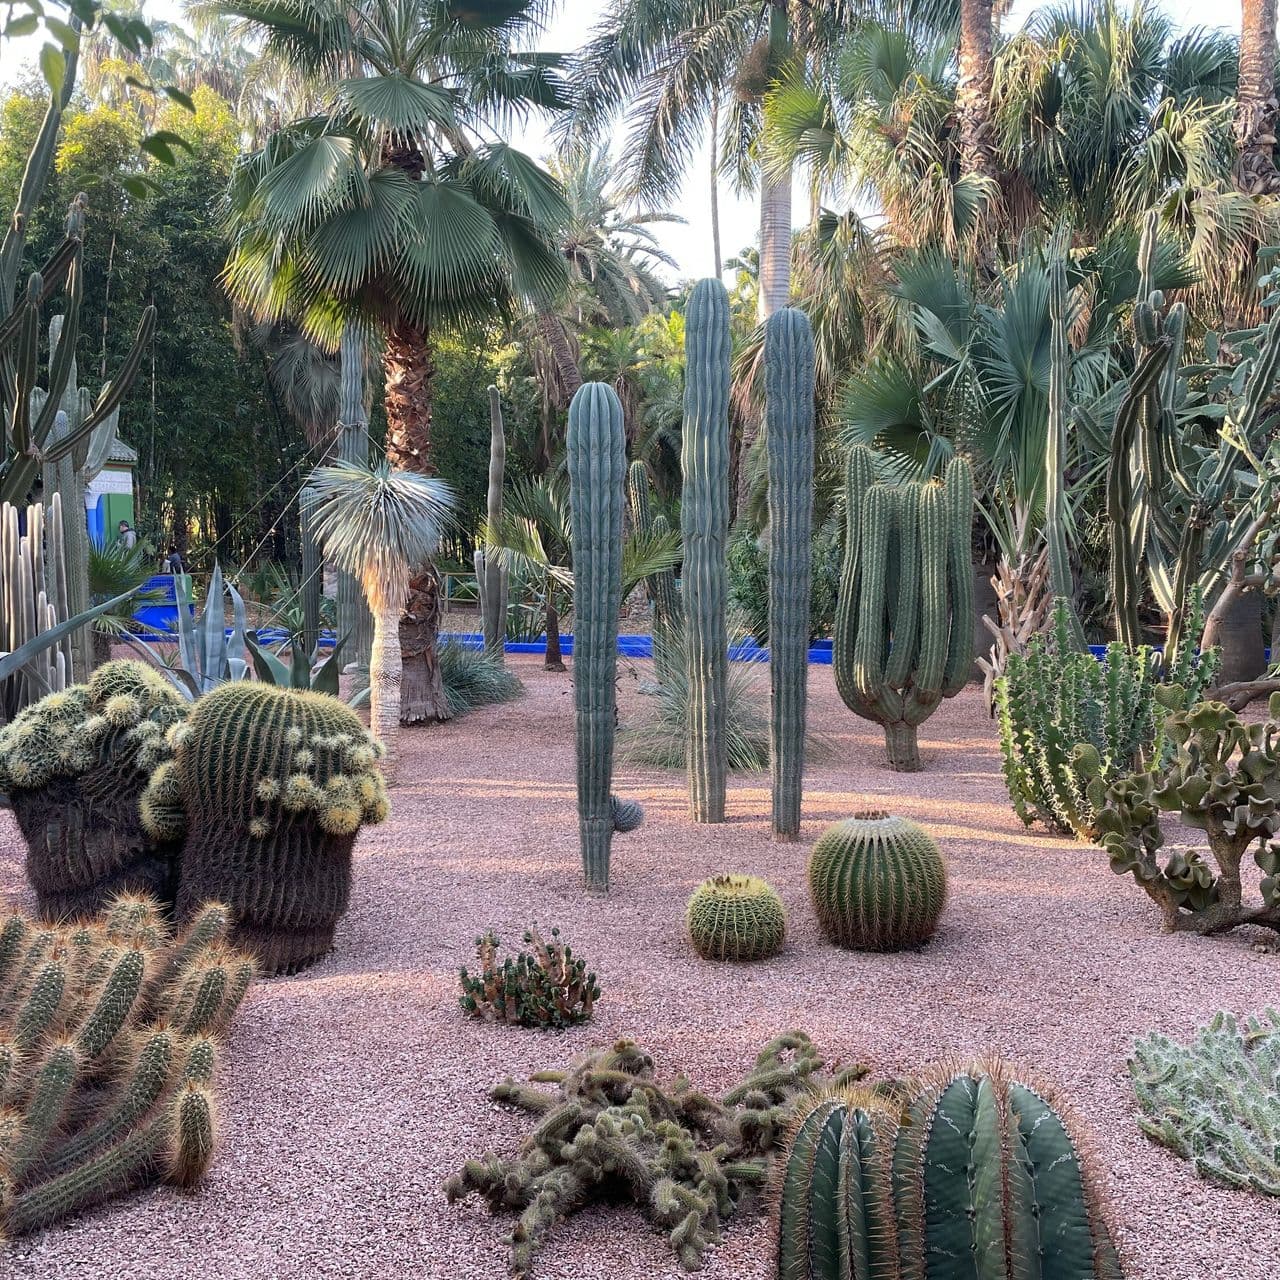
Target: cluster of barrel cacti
1222,780
1216,1100
74,766
597,463
685,1158
904,623
732,917
878,883
267,790
975,1172
108,1041
545,986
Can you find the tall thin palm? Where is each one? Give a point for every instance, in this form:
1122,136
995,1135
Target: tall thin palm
380,525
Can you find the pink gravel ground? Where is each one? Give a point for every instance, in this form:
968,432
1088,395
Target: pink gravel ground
351,1091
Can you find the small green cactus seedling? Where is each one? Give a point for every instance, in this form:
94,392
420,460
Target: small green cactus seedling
545,986
736,918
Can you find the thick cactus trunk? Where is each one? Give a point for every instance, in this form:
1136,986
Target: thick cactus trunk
704,521
789,375
491,576
597,470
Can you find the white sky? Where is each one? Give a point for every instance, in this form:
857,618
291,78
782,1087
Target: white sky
688,244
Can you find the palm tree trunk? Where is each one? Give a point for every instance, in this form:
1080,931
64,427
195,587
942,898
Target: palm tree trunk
973,91
1256,111
554,661
407,363
775,244
715,189
385,670
552,329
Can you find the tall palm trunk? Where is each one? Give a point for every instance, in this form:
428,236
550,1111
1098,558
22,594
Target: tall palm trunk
552,329
775,191
407,363
715,189
973,91
1256,110
385,673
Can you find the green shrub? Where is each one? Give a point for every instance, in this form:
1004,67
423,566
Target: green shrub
473,678
748,568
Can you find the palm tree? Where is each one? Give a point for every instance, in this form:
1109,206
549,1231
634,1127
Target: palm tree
396,210
380,525
1256,115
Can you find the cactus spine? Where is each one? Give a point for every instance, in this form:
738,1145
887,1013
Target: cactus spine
491,574
789,374
704,522
597,469
354,618
904,622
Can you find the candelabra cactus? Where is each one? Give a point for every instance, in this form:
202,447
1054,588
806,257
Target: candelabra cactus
878,883
904,620
736,918
597,466
269,787
978,1174
491,573
108,1041
704,523
788,380
74,766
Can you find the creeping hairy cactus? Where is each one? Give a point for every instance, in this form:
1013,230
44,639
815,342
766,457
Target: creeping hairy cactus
75,764
108,1039
611,1128
1216,1101
546,986
978,1174
878,883
736,918
1223,779
270,787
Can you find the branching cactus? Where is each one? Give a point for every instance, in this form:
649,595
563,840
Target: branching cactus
270,787
108,1041
75,765
904,621
546,986
788,378
491,573
704,522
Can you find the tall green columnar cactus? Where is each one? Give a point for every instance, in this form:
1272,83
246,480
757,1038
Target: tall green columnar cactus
904,622
491,573
788,382
270,788
354,618
597,462
704,522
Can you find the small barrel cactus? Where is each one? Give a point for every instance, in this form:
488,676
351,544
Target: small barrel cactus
270,787
878,883
74,765
736,918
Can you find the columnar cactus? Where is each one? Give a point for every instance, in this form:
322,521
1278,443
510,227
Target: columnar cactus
74,766
354,619
788,381
108,1042
978,1175
704,523
597,462
491,574
904,622
878,883
736,918
269,787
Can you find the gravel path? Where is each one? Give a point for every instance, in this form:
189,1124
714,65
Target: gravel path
351,1091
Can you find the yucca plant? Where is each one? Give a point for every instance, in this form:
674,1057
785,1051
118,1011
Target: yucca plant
475,678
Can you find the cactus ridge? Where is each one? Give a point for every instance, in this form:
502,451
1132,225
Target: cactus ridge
878,883
732,917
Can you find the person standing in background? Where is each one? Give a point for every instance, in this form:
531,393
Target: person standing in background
127,535
174,562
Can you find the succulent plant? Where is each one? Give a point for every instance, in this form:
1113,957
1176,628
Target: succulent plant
1224,780
736,918
878,883
1216,1101
75,765
491,573
545,986
108,1041
269,787
978,1174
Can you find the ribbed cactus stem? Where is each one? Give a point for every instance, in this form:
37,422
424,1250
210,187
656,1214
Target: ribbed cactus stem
596,455
491,574
704,520
312,571
789,383
354,618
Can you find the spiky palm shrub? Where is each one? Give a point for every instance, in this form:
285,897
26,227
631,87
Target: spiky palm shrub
475,678
74,766
269,787
108,1041
381,526
736,918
